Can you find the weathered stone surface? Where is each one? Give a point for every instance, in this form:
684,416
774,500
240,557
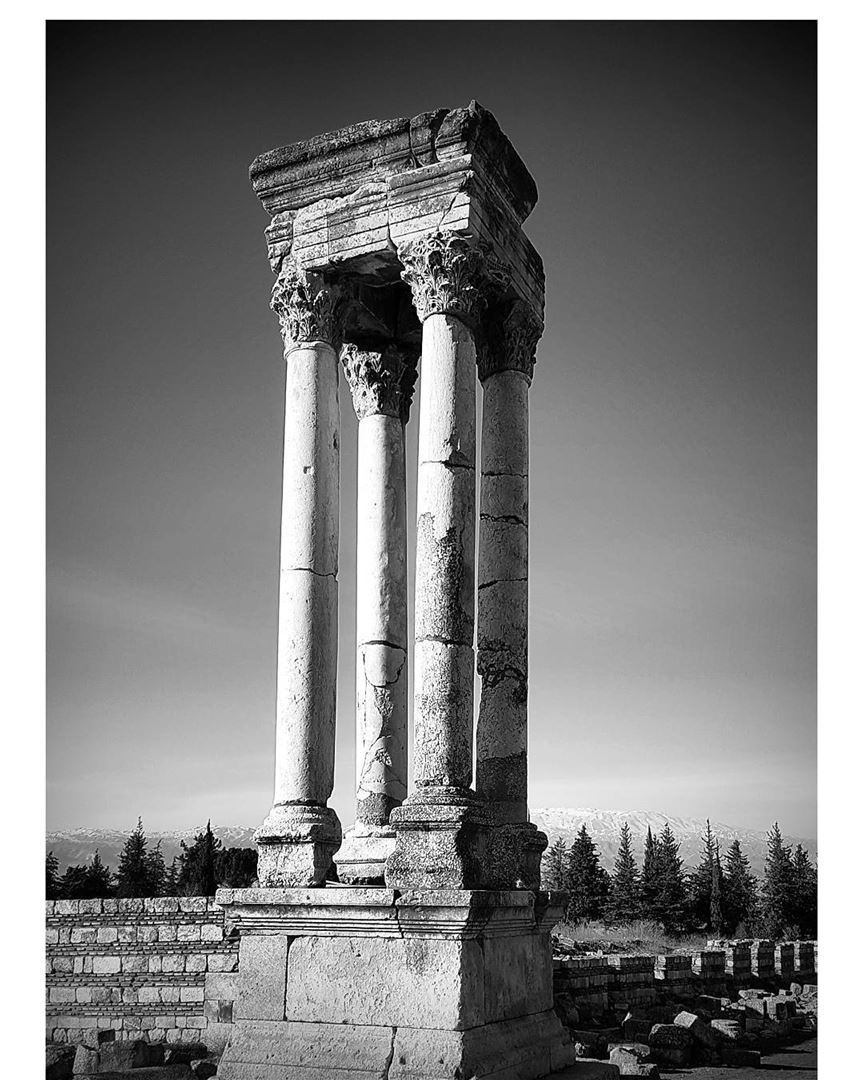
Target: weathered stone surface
441,842
59,1060
670,1044
262,977
701,1031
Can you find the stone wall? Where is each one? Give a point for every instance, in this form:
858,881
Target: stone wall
596,984
160,969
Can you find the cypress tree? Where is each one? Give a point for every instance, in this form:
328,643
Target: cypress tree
706,885
197,873
554,866
74,884
156,872
740,891
586,880
52,877
624,904
236,868
778,892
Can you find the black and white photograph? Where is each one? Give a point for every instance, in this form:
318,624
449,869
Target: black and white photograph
430,501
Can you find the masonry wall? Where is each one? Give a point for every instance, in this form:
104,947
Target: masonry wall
594,984
159,969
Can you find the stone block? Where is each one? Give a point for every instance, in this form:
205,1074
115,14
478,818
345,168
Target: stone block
106,935
263,977
670,1044
220,985
589,1044
189,932
390,981
727,1030
629,1058
196,904
191,993
122,1056
173,962
222,962
167,932
148,934
740,1058
130,905
700,1031
196,962
212,932
59,1060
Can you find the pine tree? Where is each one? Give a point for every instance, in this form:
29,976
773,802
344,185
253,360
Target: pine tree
554,866
74,884
133,873
806,900
671,907
99,877
778,891
52,876
197,874
649,876
706,885
236,868
586,880
156,872
740,891
171,886
624,904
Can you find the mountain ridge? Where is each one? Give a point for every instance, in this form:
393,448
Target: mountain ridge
73,846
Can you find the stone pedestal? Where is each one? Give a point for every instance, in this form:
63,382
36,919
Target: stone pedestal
356,984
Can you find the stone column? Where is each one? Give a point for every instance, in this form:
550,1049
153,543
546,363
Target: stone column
297,841
381,387
441,828
506,361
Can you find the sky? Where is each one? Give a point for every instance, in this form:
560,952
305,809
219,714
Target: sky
673,409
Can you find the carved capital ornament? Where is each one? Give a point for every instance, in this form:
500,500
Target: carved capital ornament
382,383
450,274
308,308
509,344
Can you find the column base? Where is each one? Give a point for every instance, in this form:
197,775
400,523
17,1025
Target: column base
441,841
363,854
514,855
359,984
296,845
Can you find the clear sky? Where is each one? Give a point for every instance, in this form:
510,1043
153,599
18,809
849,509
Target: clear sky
673,512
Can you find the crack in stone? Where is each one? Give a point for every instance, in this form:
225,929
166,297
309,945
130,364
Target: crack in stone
391,1054
446,641
508,519
292,569
492,472
389,644
450,465
499,581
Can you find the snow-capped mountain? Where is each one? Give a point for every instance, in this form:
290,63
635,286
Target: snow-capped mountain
604,827
74,846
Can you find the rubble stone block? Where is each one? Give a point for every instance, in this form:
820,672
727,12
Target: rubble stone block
670,1044
59,1061
589,1044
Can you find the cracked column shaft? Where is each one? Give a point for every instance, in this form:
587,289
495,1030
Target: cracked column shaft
301,833
381,387
505,369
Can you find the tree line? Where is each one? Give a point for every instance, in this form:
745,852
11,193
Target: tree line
721,896
199,869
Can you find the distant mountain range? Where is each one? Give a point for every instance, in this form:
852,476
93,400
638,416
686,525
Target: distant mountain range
72,846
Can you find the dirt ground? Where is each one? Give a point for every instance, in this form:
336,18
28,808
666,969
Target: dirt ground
791,1063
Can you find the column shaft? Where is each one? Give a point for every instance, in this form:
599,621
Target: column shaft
297,841
501,737
444,612
382,670
308,585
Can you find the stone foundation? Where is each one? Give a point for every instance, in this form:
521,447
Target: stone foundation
425,985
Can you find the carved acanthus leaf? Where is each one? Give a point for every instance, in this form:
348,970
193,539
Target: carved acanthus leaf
381,382
451,274
509,344
308,307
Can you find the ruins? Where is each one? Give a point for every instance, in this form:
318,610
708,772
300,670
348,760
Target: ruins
397,245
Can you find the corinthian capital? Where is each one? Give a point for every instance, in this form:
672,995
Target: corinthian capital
509,343
380,382
450,274
308,308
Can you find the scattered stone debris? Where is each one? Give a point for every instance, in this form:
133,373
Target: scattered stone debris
104,1058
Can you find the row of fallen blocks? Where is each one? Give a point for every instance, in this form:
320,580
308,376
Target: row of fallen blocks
633,979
